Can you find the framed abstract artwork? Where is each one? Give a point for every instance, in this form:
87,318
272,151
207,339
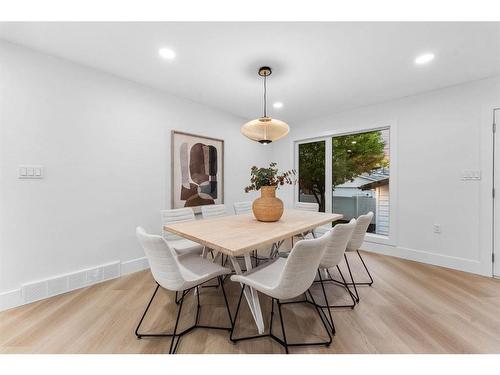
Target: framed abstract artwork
197,170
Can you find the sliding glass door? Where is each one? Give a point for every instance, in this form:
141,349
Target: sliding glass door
360,177
347,174
311,168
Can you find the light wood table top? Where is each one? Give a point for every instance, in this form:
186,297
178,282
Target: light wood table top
236,235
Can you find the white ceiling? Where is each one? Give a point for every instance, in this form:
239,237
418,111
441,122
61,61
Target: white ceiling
318,68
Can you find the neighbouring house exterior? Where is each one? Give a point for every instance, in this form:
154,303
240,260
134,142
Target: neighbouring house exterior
367,192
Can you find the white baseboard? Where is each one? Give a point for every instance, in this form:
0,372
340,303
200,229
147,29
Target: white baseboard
64,283
10,299
457,263
59,284
134,265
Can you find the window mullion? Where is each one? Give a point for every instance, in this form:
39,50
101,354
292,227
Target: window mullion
328,174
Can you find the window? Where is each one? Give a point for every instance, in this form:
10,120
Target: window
360,177
312,173
357,175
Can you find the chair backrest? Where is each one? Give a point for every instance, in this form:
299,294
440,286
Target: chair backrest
300,268
213,210
307,206
162,260
358,236
241,208
338,238
177,215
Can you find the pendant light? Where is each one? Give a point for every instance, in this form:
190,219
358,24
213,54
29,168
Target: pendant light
265,129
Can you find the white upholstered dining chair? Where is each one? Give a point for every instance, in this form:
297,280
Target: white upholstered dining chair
305,206
337,239
312,207
241,208
180,273
245,207
358,237
283,279
179,244
213,210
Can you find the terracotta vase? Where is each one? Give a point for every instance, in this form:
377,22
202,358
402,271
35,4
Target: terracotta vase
267,207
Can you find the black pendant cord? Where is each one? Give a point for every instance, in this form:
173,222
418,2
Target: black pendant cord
265,96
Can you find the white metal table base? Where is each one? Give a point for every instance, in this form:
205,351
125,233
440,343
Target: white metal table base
251,295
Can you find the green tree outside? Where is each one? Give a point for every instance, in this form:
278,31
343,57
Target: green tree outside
352,155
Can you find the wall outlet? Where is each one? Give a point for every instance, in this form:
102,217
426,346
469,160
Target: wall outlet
437,228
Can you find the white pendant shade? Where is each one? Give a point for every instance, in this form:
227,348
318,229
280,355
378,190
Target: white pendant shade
265,129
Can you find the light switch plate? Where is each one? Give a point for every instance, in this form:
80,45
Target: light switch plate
30,172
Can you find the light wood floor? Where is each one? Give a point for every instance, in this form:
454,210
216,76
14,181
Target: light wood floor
411,308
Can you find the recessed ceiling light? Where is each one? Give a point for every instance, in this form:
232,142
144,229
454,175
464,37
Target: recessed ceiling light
166,53
278,105
424,59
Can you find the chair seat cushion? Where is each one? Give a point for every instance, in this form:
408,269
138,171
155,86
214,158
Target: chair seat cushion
264,278
184,246
196,269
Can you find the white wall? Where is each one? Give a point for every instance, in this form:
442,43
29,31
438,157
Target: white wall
438,135
105,146
104,142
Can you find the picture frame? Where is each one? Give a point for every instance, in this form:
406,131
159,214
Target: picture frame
197,170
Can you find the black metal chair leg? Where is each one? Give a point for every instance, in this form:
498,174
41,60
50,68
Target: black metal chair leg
343,284
231,337
352,279
177,334
172,348
283,342
318,310
366,268
359,283
272,317
177,300
198,306
271,252
139,336
326,299
282,326
346,286
225,301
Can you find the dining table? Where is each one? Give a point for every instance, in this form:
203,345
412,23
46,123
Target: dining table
239,235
